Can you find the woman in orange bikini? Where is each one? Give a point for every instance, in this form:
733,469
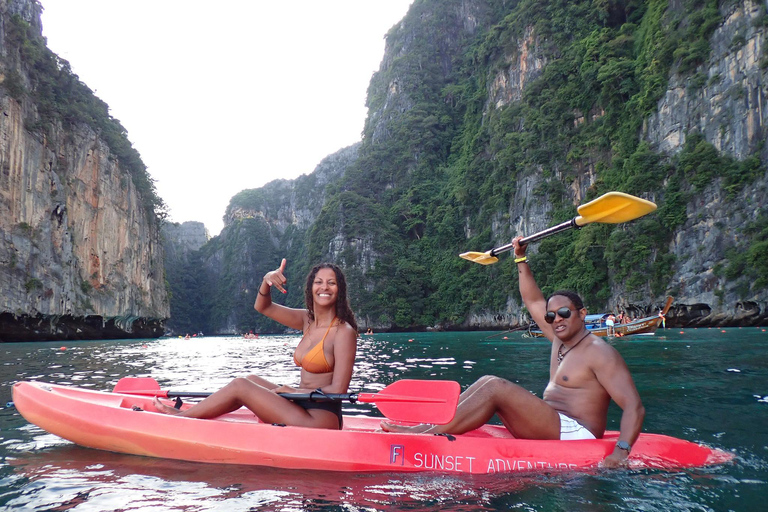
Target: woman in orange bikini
326,355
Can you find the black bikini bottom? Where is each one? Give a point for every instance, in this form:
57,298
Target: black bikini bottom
334,407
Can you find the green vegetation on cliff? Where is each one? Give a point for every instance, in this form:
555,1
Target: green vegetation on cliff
448,167
442,162
60,97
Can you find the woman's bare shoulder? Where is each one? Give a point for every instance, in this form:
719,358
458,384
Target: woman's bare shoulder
347,331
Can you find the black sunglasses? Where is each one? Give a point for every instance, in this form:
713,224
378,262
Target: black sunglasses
564,312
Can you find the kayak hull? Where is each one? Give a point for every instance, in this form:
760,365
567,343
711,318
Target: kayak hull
129,424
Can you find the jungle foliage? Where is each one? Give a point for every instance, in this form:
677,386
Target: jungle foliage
440,163
449,165
61,98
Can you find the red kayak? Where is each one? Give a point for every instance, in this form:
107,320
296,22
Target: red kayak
128,423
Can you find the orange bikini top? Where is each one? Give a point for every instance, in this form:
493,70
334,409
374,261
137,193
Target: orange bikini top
314,361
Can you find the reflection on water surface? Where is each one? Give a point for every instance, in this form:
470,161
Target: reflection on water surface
701,385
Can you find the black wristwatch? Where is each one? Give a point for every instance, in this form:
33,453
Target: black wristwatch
623,445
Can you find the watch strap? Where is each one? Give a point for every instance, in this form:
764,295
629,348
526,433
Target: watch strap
623,445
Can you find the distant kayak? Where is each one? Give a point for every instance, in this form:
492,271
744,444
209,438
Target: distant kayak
129,424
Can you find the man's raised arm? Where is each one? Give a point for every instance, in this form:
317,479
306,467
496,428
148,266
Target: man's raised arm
530,292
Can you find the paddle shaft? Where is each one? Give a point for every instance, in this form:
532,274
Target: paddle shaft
313,396
569,224
610,208
416,401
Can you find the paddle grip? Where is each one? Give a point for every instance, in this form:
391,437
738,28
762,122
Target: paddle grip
569,224
320,397
186,394
160,393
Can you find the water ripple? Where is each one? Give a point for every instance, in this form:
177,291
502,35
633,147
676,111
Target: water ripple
684,382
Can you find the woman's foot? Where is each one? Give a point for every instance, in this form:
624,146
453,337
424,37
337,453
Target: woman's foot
421,428
165,409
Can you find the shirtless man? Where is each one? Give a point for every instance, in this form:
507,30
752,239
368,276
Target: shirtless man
585,373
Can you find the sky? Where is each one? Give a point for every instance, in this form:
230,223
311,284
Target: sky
219,97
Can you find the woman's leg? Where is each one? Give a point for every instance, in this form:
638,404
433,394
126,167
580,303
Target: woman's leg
262,382
266,405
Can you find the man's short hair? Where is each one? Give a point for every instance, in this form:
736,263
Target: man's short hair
572,296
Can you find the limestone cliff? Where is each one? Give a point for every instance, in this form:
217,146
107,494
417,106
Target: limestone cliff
215,288
491,118
724,100
80,255
181,239
182,244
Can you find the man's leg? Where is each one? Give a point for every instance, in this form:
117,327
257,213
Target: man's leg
524,415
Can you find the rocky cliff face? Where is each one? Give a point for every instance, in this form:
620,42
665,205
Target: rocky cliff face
183,273
262,226
180,239
728,108
292,203
725,101
80,258
397,213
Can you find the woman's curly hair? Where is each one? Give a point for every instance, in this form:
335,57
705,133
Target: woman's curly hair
343,311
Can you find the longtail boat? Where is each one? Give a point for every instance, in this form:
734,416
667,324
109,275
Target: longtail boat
596,324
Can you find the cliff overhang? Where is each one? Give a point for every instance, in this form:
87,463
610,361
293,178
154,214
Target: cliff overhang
22,328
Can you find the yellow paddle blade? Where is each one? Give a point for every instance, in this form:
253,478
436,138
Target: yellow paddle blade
483,258
613,208
610,208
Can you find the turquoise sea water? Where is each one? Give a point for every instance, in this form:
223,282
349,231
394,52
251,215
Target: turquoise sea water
703,385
